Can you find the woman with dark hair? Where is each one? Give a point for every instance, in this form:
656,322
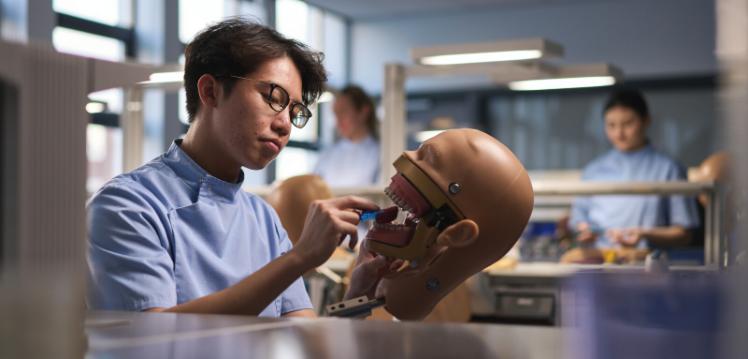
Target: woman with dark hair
354,159
633,221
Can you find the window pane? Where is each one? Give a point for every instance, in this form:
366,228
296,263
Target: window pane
254,178
112,97
335,50
291,19
195,15
104,150
293,162
85,44
184,117
110,12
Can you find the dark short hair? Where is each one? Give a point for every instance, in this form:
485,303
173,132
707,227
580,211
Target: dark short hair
361,100
629,98
237,47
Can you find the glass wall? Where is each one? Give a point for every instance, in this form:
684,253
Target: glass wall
103,30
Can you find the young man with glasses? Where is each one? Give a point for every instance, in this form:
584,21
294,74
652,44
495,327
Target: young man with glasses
178,234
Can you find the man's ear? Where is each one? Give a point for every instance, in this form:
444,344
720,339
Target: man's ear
209,90
460,234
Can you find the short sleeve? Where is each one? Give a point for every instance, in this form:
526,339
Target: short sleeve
581,205
295,297
579,212
129,266
682,209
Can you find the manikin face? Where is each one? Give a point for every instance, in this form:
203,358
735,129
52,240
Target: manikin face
349,120
625,129
468,199
254,133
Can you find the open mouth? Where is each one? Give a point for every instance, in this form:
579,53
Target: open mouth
406,199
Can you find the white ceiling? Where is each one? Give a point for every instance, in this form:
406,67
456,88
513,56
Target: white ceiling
375,9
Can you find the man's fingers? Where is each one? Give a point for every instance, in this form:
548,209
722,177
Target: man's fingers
346,229
349,216
353,241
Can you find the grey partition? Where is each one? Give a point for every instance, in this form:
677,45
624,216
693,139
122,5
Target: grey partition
44,94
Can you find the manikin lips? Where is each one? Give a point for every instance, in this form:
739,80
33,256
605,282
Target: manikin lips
406,197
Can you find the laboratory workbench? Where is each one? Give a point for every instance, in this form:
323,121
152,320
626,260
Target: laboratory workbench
168,335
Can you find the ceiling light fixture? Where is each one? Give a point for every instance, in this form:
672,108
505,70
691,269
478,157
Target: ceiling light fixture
498,51
562,83
579,76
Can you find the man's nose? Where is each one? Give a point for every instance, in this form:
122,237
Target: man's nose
282,123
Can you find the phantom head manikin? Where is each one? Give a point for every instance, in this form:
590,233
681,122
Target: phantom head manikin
468,199
291,199
713,168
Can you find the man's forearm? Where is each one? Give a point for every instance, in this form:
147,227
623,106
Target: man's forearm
252,294
673,236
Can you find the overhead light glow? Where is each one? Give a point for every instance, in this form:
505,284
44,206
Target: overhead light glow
165,77
481,57
423,136
95,107
562,83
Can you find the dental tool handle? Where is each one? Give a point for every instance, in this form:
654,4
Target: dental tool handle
359,307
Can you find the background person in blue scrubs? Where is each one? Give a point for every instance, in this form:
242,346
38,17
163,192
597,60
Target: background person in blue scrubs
178,234
633,221
354,159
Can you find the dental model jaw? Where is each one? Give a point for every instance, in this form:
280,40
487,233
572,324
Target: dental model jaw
468,199
428,210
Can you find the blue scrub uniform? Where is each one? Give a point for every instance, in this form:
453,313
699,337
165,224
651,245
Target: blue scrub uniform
628,211
347,163
168,232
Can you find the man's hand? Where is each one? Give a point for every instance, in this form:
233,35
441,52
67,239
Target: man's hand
368,271
585,234
628,237
326,225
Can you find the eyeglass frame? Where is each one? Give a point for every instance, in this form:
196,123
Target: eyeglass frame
268,98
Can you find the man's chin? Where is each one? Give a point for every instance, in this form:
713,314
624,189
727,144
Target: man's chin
257,165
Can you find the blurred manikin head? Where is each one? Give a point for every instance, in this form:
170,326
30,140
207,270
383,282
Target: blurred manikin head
468,199
354,113
713,168
291,199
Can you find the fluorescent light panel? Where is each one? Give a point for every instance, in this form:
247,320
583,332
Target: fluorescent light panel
482,57
562,83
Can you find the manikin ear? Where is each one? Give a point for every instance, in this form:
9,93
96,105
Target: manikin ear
209,90
460,234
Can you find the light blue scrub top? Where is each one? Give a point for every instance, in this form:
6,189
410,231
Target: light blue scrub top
627,211
347,163
168,232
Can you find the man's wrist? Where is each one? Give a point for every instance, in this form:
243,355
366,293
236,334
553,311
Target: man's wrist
299,261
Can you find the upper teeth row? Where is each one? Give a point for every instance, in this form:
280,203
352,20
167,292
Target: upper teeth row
397,200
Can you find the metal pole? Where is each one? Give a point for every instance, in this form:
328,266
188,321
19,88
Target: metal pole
132,129
393,125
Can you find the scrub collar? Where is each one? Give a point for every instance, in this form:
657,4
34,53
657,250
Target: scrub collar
193,174
646,149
